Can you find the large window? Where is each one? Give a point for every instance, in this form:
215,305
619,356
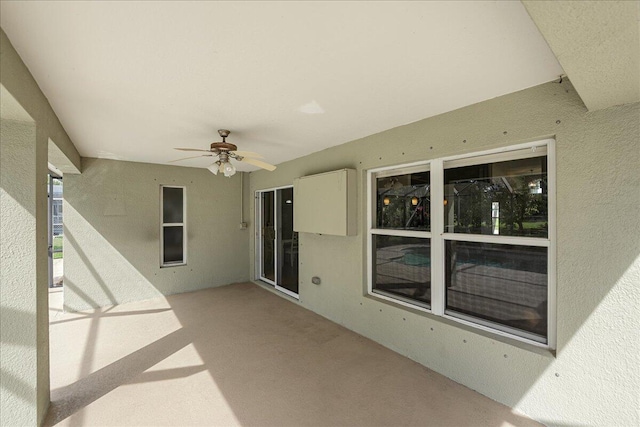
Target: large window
173,236
469,238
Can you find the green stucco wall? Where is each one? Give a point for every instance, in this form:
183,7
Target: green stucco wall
592,379
24,280
112,232
17,79
19,278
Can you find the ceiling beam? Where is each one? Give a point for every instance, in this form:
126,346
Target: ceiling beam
598,45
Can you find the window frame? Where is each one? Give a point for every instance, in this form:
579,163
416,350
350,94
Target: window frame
372,176
438,237
182,224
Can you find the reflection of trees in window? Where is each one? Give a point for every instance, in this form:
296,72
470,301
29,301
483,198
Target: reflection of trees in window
403,202
521,199
482,277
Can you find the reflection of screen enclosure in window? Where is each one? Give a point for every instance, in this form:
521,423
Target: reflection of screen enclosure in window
469,238
402,263
503,198
403,201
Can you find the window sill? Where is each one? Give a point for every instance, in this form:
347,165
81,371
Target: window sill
177,264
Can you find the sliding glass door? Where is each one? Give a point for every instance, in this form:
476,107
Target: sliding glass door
277,243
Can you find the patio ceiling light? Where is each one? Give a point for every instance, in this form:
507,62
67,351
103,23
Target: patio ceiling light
225,168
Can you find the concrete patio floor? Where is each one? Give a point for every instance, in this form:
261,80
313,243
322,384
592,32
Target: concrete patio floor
240,355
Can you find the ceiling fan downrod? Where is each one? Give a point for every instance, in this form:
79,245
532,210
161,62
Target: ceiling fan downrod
224,133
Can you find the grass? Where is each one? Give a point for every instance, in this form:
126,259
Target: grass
57,245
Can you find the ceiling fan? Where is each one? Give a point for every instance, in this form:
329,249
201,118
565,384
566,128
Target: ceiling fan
226,151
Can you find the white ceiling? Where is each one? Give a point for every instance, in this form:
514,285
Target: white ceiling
131,80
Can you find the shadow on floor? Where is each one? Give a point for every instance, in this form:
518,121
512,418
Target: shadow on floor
267,362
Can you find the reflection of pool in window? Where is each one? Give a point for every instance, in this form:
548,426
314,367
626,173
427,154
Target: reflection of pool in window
417,256
403,267
494,252
523,259
504,285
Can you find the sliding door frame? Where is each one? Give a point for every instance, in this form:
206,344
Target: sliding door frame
277,215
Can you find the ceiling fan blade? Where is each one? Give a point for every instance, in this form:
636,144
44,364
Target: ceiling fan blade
187,158
259,163
249,154
191,149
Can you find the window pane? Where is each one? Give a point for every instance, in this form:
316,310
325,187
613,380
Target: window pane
172,206
403,201
506,198
503,284
403,267
173,244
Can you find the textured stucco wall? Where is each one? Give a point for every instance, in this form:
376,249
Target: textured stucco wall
19,85
18,277
112,229
598,45
593,377
16,78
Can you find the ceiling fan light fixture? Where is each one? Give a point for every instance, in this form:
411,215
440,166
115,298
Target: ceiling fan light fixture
214,168
228,169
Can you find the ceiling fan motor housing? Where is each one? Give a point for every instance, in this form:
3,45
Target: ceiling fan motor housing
223,146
